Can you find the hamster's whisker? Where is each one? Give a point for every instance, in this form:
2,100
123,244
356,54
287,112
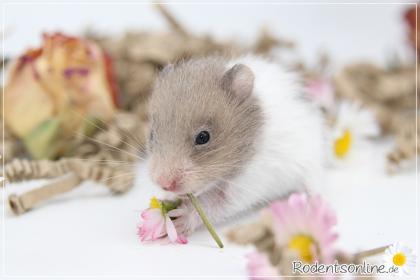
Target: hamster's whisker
209,153
237,163
86,119
213,168
112,147
141,145
105,161
200,172
102,129
117,176
215,151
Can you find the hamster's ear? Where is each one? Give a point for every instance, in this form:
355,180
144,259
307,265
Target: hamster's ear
239,80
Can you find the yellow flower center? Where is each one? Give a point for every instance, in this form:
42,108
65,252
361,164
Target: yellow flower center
342,144
304,245
399,259
155,203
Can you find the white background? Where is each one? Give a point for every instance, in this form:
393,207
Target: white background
89,233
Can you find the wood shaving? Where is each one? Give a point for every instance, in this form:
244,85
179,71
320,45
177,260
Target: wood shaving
405,145
12,148
23,169
118,178
23,203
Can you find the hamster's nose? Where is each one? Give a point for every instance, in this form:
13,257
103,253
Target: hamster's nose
168,184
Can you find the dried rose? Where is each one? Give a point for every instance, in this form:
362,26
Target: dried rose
53,90
410,19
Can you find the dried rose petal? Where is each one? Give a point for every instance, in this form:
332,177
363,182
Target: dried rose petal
67,80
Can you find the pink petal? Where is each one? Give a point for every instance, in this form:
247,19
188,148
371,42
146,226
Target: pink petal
150,214
298,201
153,225
182,239
159,230
170,230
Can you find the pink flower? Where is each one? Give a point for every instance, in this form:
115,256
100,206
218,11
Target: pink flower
259,267
304,225
157,222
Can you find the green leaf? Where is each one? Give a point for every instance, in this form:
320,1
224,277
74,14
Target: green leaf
41,141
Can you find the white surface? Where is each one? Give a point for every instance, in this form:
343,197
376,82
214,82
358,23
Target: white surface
89,233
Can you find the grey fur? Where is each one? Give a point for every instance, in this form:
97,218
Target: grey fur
193,96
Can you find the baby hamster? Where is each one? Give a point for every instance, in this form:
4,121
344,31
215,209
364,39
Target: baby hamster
238,133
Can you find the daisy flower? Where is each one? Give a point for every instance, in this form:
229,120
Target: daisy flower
400,256
353,124
157,222
304,225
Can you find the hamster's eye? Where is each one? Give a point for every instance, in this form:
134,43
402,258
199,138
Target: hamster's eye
202,138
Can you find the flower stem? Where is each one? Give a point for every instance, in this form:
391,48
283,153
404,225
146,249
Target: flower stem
203,217
368,253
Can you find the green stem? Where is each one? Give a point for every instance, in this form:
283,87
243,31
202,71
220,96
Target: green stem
206,222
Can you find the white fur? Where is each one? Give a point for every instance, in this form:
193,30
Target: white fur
290,153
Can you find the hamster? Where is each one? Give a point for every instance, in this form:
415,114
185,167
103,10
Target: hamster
238,133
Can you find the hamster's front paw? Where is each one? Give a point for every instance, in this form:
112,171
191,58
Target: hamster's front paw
188,221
